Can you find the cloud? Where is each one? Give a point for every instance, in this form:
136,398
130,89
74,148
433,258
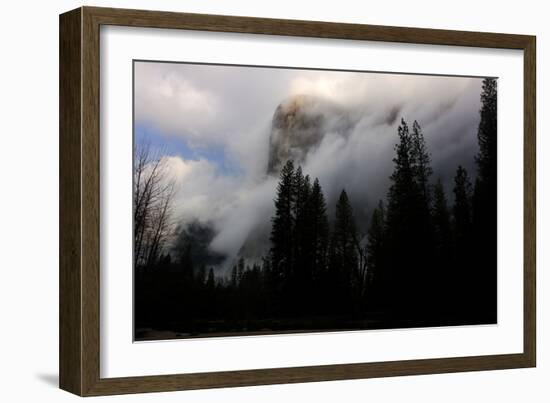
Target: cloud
171,103
232,206
201,192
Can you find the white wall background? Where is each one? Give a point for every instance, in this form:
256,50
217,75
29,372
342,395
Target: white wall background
29,199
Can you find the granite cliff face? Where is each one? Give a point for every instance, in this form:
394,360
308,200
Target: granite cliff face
299,125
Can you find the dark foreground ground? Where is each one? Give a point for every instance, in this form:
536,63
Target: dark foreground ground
225,328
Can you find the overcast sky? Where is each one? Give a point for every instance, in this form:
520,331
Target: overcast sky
214,124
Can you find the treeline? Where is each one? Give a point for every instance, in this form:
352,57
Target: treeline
422,262
426,257
313,269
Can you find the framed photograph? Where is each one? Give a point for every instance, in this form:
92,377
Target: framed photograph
249,201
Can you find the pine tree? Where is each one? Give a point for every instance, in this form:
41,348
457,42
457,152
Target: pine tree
200,275
186,264
420,162
234,276
442,225
485,202
317,240
320,229
462,250
301,275
443,275
487,133
401,277
375,247
462,209
421,167
240,269
210,281
283,224
302,190
403,192
343,252
268,295
282,238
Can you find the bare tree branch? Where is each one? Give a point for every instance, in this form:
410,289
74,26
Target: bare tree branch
154,191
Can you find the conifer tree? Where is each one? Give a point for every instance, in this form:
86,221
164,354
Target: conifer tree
375,246
403,192
320,229
443,275
302,189
200,275
401,274
485,202
420,161
462,209
234,276
210,281
283,224
422,171
186,264
301,276
343,259
463,243
442,225
240,269
487,133
317,241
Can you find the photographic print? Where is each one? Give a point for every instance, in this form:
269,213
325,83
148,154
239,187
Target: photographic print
270,200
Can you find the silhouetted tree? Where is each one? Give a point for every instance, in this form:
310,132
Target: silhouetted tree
422,171
487,134
343,252
200,275
420,163
282,242
318,241
375,252
442,226
485,201
187,268
402,222
319,229
462,210
152,202
211,280
300,289
403,192
234,276
444,275
240,269
462,233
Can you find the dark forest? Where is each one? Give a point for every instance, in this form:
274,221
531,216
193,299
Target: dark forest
429,258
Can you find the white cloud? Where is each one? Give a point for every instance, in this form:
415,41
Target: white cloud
201,192
171,103
231,205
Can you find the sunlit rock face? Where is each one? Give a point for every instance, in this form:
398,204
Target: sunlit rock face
298,127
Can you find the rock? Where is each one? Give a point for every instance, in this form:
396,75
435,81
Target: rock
299,125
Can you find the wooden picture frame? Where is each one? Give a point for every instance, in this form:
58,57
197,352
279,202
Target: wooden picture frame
79,346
